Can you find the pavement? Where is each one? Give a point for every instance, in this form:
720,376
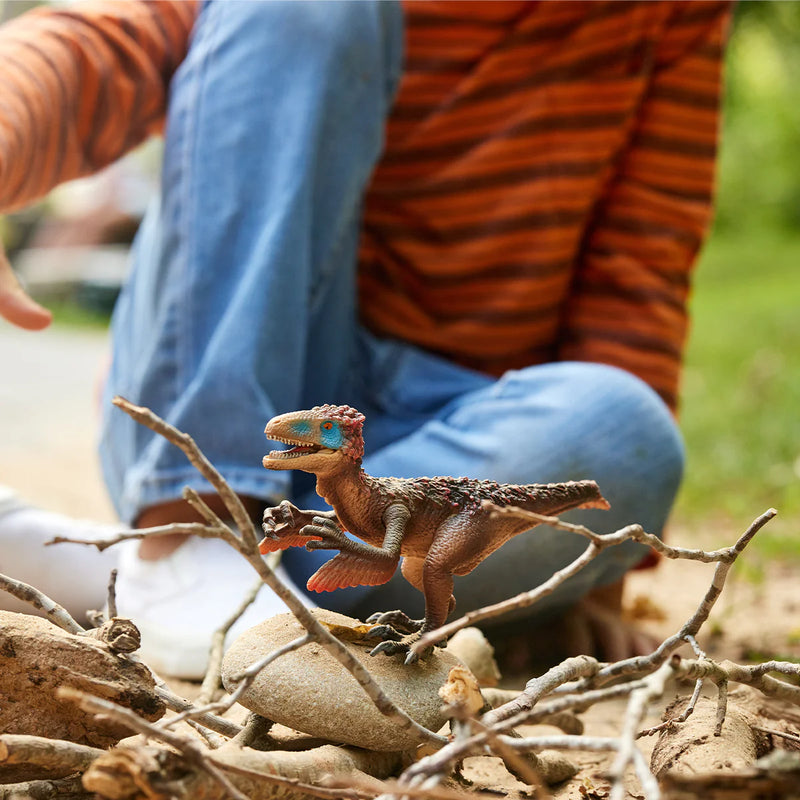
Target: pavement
49,418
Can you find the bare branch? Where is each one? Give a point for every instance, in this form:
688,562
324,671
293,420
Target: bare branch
196,458
211,680
189,748
182,528
178,704
52,610
61,788
53,754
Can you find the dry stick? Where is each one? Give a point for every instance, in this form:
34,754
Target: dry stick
248,547
244,679
394,788
690,706
790,737
299,787
211,680
568,670
442,760
178,704
751,675
597,543
196,458
183,528
111,602
642,664
519,601
189,748
54,754
525,771
62,788
652,687
52,610
681,718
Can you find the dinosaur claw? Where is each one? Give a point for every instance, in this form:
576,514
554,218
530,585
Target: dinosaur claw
385,632
411,658
389,648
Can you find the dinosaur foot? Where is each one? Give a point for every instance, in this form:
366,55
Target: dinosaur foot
403,645
398,620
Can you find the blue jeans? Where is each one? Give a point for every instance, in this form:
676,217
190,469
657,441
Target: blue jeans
242,304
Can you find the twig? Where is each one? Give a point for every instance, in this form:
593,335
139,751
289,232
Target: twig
189,448
182,528
111,602
244,680
536,688
597,543
522,600
189,748
395,788
681,718
52,610
790,737
524,767
644,664
652,687
178,704
53,754
722,706
61,788
211,680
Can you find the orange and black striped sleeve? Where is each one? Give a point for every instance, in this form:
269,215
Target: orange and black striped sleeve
628,306
81,86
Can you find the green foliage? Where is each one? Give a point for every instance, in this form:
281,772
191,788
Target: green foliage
741,390
759,176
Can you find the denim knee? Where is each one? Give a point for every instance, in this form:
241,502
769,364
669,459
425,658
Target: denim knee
648,433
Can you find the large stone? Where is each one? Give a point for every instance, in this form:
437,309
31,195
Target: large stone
310,691
37,658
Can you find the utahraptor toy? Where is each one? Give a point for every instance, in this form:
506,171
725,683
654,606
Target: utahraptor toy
438,525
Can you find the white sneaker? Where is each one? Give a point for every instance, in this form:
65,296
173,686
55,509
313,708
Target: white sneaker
74,575
178,602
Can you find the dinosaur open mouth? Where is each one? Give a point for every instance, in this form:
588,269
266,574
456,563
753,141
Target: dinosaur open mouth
298,449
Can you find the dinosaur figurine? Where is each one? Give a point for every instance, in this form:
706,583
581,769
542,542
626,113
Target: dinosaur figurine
438,525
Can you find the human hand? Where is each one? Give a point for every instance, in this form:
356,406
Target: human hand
15,304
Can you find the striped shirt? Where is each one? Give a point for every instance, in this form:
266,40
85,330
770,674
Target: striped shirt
545,186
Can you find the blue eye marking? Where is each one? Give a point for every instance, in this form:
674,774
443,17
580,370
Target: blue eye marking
330,435
301,428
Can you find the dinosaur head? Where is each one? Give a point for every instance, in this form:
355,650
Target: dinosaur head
323,439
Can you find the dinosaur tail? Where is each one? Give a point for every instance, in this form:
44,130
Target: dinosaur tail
552,499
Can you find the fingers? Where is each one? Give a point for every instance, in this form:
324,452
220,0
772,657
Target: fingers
278,519
330,535
15,305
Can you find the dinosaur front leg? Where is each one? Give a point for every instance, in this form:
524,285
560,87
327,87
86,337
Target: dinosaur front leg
284,525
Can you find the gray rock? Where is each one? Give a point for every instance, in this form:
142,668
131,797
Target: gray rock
310,691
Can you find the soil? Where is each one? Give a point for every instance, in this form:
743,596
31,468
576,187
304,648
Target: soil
47,453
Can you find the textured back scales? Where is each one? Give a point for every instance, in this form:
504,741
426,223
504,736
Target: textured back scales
555,498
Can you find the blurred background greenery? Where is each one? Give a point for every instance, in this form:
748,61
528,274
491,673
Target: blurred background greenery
740,409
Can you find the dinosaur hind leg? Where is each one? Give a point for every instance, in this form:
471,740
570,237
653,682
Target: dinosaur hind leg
412,569
437,584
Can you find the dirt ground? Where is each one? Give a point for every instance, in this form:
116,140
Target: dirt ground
48,413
